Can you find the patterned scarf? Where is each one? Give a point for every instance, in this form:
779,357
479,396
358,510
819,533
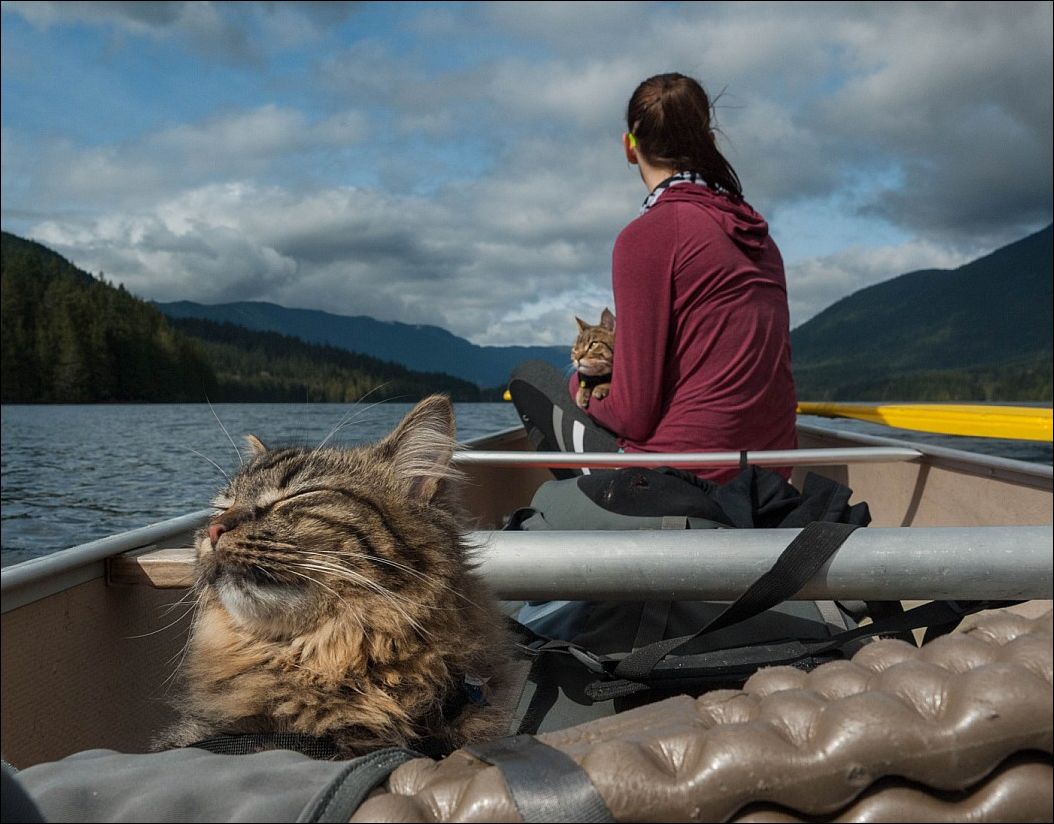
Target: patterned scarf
673,180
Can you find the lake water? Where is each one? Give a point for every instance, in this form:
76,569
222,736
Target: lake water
71,474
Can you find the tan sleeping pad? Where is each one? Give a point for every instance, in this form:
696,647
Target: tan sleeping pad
959,730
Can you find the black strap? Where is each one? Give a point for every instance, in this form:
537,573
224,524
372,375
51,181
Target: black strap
545,783
690,670
797,564
320,748
960,609
934,613
339,799
721,667
654,615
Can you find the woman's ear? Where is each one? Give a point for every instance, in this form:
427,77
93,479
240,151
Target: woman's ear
631,151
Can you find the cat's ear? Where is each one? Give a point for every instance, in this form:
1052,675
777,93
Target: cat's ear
256,446
421,447
582,325
607,320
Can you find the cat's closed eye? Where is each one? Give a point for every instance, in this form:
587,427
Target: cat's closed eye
337,598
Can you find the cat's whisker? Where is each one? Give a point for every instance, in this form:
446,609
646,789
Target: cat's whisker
169,625
181,601
337,595
265,572
363,412
416,573
324,557
350,647
241,458
178,602
354,407
207,458
340,570
422,577
354,577
186,644
348,575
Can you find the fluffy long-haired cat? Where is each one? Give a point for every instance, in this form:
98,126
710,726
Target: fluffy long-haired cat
337,600
592,356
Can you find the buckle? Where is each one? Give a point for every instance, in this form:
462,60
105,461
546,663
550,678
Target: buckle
588,660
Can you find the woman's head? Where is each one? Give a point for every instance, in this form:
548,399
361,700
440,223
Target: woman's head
669,115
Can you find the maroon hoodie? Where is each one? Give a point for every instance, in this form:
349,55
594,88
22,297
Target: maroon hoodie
702,335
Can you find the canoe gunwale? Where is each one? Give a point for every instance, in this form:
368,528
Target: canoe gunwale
1021,472
38,578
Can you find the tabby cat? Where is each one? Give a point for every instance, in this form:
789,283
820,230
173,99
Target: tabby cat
337,600
592,355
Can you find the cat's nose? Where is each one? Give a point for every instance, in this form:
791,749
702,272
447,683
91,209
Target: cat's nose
215,531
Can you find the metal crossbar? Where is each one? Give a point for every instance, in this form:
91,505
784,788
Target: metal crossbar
779,457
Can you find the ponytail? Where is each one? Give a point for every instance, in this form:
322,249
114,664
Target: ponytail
670,116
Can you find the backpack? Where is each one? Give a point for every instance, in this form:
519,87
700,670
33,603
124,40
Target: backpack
593,659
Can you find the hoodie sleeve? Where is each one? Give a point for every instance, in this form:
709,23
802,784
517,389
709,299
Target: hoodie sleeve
642,279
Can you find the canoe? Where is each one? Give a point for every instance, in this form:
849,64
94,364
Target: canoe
89,642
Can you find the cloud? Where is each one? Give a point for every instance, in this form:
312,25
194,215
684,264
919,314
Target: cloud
812,285
462,261
227,32
203,26
261,142
958,97
462,167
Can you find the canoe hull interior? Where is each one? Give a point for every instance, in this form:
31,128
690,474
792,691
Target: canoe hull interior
94,672
86,664
940,490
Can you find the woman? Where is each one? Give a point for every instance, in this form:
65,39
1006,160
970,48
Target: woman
702,343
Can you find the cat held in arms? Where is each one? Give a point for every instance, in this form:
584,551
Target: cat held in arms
592,355
337,602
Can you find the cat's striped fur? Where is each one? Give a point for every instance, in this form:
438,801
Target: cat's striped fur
592,355
337,599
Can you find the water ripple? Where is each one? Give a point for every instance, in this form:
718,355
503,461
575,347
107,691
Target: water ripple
71,474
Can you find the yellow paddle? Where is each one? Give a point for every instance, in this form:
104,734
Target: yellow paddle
1020,423
1023,423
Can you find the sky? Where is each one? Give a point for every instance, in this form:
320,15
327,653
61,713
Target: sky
459,164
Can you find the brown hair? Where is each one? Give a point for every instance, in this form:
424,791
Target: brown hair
670,115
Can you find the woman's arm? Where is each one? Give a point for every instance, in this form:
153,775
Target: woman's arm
642,279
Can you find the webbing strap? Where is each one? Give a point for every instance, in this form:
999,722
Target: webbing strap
339,799
320,748
803,654
924,615
545,783
810,550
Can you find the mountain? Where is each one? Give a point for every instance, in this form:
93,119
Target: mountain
68,337
427,348
982,331
266,366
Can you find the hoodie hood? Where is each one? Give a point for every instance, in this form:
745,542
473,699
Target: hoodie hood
737,218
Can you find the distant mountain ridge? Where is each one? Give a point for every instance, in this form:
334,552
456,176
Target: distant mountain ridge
982,331
68,337
422,348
